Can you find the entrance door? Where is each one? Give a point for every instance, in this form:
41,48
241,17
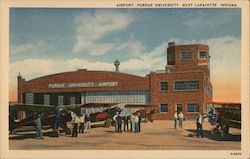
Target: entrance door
179,108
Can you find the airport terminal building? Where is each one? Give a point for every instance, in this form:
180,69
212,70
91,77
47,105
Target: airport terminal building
184,85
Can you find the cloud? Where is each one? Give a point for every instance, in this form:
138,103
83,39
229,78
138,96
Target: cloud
92,27
26,47
33,68
152,60
15,49
131,45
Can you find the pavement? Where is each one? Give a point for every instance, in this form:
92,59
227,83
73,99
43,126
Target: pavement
157,135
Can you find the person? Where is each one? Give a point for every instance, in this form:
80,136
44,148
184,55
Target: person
88,123
57,122
175,119
199,122
131,122
139,122
114,118
126,122
75,121
180,116
136,121
123,114
119,124
211,116
39,133
82,121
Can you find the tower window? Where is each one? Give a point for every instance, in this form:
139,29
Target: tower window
186,55
202,55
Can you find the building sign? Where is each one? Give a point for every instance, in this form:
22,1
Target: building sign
79,85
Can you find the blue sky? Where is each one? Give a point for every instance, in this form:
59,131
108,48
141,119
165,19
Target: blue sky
45,41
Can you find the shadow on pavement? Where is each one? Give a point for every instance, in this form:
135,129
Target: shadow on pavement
97,125
29,136
207,134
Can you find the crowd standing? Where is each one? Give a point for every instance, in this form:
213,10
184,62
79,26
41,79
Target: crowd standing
134,120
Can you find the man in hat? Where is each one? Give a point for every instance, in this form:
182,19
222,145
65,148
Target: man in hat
114,118
199,122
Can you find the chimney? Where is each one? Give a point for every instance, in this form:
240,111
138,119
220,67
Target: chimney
116,63
20,83
171,44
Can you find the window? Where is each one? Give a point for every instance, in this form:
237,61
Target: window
164,86
29,98
60,100
46,99
186,55
192,108
202,55
186,85
163,108
72,100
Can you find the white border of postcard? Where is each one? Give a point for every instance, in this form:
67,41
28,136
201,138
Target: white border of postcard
4,81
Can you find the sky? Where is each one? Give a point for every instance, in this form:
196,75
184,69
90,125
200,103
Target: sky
48,41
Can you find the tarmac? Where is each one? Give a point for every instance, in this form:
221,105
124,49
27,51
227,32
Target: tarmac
157,135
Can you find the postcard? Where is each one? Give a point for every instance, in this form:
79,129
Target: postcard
124,79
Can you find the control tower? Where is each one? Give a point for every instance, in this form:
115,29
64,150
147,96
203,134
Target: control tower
116,63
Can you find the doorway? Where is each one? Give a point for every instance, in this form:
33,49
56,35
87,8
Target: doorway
179,108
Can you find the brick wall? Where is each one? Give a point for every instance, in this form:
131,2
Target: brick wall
125,82
172,97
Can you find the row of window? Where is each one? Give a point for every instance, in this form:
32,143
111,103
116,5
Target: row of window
181,85
113,93
187,55
141,97
191,108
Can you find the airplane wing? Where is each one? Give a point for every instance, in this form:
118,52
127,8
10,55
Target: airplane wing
31,107
68,107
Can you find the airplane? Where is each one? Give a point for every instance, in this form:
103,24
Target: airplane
48,117
105,112
227,115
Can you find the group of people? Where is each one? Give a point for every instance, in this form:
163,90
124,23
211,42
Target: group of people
178,117
84,122
80,124
134,120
